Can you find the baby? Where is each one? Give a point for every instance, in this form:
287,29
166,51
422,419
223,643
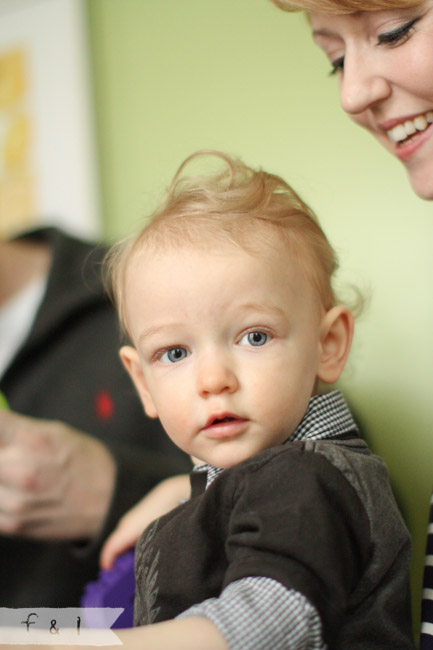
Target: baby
291,537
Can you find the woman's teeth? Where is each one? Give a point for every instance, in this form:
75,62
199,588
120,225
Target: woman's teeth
410,127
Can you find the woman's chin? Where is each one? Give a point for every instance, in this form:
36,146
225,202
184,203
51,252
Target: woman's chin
422,188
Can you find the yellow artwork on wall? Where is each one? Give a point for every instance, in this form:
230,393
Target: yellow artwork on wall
17,186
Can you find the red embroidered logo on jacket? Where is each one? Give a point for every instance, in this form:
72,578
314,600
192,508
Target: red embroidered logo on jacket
104,405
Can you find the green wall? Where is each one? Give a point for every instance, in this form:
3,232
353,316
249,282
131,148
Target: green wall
173,76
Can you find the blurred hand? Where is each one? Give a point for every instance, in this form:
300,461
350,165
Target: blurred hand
55,482
163,498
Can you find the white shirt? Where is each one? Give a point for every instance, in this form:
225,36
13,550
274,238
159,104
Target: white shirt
16,319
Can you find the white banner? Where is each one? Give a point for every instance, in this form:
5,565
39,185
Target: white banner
59,626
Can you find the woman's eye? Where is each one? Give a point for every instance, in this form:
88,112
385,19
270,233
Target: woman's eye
256,338
337,65
394,37
397,36
173,355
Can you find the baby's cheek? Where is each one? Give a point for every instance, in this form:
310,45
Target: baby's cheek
178,426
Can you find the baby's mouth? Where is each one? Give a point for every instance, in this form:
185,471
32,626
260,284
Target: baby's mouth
226,419
221,419
225,426
407,131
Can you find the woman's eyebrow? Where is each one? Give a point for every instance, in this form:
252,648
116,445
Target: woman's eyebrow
325,33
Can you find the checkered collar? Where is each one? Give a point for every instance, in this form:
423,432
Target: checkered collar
327,416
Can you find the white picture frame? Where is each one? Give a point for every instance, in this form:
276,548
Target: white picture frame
48,169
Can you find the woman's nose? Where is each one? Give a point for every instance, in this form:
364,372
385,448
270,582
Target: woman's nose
215,376
362,85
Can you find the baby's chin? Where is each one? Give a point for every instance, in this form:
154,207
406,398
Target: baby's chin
234,458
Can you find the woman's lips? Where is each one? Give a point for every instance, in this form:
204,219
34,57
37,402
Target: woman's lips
406,149
398,128
408,133
403,132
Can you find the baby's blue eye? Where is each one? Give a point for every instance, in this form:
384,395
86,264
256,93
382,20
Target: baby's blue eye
174,354
255,338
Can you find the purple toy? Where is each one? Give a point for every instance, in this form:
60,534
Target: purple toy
114,588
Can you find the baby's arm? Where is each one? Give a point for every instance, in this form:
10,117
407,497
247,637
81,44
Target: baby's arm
193,633
163,498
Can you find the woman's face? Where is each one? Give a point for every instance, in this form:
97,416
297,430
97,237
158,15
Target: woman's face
384,62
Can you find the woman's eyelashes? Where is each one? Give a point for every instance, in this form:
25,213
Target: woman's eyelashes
337,65
398,35
392,38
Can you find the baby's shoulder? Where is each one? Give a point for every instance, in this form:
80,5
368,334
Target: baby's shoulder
309,456
299,467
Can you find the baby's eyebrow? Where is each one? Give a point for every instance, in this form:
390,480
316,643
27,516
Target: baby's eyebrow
157,329
266,309
172,328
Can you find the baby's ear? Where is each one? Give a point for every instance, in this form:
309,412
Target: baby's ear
336,339
131,360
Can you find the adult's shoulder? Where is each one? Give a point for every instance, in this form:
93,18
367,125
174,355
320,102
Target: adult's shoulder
76,262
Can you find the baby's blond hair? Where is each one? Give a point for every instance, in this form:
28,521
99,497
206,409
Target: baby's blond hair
246,207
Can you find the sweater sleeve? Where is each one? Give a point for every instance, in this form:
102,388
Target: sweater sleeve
313,538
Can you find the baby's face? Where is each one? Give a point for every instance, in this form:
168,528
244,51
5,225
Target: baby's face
228,347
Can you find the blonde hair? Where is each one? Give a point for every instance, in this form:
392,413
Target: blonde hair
343,6
249,208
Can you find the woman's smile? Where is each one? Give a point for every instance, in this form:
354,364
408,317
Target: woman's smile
384,62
